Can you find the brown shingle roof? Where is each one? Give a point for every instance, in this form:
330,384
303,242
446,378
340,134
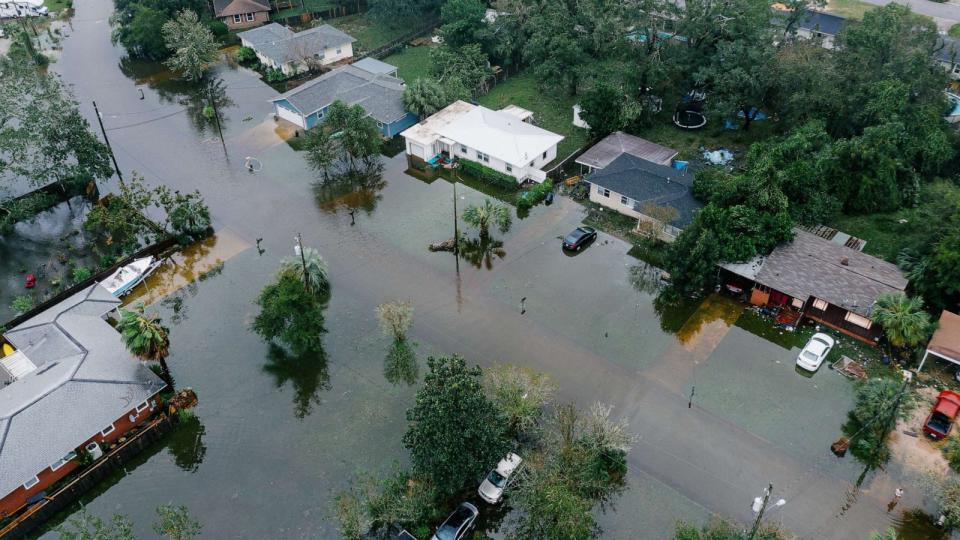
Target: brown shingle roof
812,266
228,8
618,143
946,340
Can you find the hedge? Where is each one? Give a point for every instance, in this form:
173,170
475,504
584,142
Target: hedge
535,195
486,174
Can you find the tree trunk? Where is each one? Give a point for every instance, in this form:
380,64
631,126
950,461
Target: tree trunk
165,373
747,118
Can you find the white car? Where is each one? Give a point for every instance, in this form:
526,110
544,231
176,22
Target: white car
815,351
491,490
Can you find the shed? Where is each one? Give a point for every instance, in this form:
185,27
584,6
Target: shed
945,342
618,143
377,67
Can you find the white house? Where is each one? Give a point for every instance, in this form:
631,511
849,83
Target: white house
504,140
293,52
14,9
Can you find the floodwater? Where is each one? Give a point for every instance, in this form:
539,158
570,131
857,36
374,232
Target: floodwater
719,412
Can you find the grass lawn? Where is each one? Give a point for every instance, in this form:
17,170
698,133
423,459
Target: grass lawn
886,235
690,144
954,31
851,9
412,62
369,34
58,5
551,111
309,6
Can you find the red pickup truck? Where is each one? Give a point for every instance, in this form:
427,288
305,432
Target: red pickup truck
941,418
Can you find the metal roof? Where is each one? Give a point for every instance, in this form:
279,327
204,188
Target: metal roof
618,143
227,8
946,340
648,182
84,380
380,95
282,45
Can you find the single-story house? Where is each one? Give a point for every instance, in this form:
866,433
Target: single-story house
70,381
823,279
239,14
637,188
376,67
292,52
505,140
619,143
945,343
15,9
380,95
948,55
815,24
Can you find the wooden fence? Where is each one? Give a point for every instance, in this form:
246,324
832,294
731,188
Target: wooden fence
88,478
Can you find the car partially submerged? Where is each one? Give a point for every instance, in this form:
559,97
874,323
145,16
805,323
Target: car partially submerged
815,352
940,421
491,489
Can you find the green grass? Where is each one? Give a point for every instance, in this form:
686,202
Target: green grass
58,5
369,34
954,31
551,111
886,236
690,144
851,9
309,6
412,62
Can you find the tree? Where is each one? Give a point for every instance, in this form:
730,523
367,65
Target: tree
175,523
86,526
322,150
395,319
554,48
309,269
742,77
290,314
463,72
946,491
193,46
601,108
878,404
399,13
903,320
400,364
443,448
718,529
188,217
481,217
147,338
356,132
424,96
462,22
519,393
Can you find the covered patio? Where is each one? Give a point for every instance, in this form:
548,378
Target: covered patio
945,343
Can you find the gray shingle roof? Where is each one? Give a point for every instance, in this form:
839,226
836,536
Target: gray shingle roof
282,45
375,66
85,380
948,50
380,95
226,8
821,21
645,181
617,143
813,266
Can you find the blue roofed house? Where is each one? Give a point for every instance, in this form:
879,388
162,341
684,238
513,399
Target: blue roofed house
814,24
641,189
278,47
379,94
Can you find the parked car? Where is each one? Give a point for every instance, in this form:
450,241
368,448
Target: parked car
579,237
491,489
458,524
944,413
815,351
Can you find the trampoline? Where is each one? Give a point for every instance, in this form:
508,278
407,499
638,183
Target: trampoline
689,119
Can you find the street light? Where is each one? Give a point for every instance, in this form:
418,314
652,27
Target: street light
760,505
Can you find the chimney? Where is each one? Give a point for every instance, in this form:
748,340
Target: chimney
845,261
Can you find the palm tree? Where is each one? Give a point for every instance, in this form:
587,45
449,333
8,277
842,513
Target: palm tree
146,338
903,319
889,534
311,262
488,213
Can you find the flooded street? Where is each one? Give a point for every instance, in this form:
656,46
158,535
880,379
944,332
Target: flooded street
719,411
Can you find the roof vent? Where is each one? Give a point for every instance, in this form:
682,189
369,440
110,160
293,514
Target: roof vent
845,261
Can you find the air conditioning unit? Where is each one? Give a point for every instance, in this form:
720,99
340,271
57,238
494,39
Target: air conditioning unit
94,450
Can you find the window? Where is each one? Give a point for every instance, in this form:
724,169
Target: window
483,157
624,200
956,69
338,51
797,303
855,319
238,18
63,461
249,17
819,304
108,430
142,406
463,149
508,167
544,155
31,482
603,191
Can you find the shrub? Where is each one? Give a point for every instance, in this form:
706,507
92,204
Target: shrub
488,175
534,195
217,28
951,451
81,274
246,55
22,304
275,75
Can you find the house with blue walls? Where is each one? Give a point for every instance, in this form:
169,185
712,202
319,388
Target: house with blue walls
380,94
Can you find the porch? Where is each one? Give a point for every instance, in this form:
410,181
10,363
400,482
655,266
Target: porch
843,321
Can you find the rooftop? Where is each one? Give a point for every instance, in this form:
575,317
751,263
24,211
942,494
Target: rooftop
372,65
618,143
283,45
814,266
647,182
80,379
426,131
946,340
227,8
380,95
948,50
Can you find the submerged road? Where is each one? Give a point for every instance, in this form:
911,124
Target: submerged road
582,328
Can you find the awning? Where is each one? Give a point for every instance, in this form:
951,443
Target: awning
447,141
945,342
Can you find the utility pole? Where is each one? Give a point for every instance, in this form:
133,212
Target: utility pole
107,140
456,232
216,116
303,261
763,508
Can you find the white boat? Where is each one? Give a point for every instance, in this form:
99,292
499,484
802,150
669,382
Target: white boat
127,277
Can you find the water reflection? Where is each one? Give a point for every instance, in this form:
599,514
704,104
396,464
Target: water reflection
400,365
481,252
353,189
644,278
185,444
307,374
916,524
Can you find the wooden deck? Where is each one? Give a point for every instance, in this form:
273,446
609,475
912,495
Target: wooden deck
834,318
